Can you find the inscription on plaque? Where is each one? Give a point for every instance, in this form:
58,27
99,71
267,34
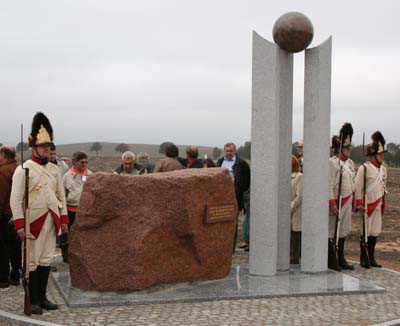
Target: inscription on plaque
221,213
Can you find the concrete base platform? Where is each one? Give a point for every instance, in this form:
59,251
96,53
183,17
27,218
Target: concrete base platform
238,285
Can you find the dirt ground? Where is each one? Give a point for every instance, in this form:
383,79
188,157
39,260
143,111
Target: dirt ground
388,245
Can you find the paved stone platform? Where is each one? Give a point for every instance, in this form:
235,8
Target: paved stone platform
238,285
360,309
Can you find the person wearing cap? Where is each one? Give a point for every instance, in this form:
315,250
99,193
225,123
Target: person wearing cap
342,175
48,213
129,165
74,181
375,188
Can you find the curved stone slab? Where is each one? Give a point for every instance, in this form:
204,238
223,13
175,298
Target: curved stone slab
272,97
317,117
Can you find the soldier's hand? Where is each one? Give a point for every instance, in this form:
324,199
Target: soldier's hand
334,210
21,234
64,228
361,209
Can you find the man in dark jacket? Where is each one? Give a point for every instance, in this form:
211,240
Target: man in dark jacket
10,245
129,165
192,161
239,170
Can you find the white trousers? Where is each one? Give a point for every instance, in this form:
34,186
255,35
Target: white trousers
42,248
345,224
375,222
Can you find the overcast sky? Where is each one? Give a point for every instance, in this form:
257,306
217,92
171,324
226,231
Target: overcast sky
153,71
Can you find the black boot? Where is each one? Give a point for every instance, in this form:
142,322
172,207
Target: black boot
44,272
342,261
34,290
64,244
364,259
332,257
371,251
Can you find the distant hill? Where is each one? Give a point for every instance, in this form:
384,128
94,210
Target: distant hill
109,150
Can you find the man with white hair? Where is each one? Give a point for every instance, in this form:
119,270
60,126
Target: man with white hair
129,165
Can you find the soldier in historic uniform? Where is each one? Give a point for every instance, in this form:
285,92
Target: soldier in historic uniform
374,186
342,176
48,214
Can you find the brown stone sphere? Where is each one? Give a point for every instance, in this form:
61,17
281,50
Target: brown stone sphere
293,32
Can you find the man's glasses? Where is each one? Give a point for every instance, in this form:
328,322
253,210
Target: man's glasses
83,162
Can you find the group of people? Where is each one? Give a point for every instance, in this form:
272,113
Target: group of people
350,191
238,168
39,200
54,189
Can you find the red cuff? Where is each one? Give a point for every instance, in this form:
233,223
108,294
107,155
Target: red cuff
19,223
332,202
64,219
359,202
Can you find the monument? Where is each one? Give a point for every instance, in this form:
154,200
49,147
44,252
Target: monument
150,229
272,97
175,230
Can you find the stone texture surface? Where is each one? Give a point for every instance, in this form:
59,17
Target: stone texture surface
270,149
132,232
293,32
365,309
317,113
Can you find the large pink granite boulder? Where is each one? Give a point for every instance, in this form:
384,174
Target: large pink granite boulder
132,232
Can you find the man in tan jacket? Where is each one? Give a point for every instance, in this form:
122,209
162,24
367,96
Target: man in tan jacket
48,213
74,181
170,163
342,174
375,189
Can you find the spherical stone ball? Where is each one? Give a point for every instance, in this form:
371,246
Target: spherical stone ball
293,32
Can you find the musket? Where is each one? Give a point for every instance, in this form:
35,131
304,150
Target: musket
339,197
27,240
364,238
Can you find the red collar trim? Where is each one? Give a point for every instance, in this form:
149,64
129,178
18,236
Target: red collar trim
375,164
341,157
39,161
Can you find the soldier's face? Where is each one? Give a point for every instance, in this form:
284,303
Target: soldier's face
43,151
380,157
229,152
346,151
128,163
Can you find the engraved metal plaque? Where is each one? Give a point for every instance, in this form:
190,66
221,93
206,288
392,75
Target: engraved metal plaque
222,212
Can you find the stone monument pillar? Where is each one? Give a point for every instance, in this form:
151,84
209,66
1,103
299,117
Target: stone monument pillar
317,121
272,99
271,136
